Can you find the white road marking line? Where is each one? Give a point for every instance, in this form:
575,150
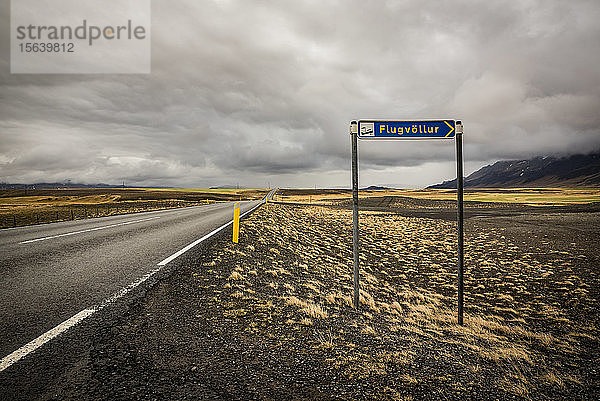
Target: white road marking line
193,244
79,317
73,321
88,230
43,339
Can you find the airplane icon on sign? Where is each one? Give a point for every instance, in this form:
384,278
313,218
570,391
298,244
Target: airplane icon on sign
367,129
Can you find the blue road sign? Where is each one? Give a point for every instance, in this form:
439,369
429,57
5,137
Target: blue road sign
438,129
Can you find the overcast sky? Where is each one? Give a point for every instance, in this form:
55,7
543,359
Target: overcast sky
256,92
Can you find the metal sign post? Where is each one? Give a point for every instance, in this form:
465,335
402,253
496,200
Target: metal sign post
459,217
419,129
353,135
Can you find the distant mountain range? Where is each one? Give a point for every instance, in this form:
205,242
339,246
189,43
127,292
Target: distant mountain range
70,185
547,171
228,187
375,188
571,171
62,185
55,185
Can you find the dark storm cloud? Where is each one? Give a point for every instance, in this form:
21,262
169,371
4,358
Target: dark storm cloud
254,91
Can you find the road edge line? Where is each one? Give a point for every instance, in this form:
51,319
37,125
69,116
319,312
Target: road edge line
74,320
31,346
207,236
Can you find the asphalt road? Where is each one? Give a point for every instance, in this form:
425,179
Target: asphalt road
50,273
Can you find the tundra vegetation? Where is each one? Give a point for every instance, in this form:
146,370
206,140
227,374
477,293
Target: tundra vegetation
525,196
35,206
272,316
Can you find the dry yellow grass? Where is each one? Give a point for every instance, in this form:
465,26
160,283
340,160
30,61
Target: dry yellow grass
407,296
408,379
48,201
553,379
24,207
369,330
309,308
235,276
529,196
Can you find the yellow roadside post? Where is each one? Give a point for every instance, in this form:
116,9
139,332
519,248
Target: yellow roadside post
236,222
